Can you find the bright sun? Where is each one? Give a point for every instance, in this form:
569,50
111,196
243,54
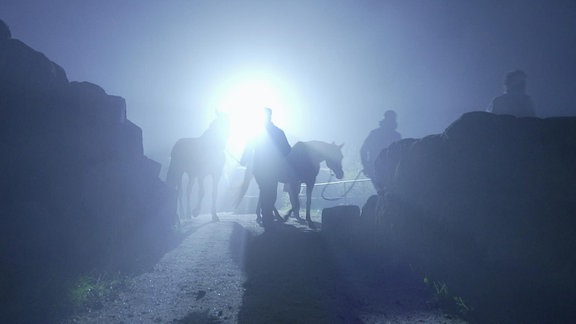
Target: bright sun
244,100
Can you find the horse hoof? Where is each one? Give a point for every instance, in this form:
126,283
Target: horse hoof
215,218
311,224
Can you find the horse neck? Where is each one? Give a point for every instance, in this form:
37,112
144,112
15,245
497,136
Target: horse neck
214,139
319,151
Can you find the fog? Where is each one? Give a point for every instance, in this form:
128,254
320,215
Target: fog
333,67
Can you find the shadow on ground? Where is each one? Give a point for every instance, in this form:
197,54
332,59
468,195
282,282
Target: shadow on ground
293,278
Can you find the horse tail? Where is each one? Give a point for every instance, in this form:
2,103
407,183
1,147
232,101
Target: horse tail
171,176
248,175
174,174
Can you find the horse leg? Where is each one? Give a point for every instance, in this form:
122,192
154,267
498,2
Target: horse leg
277,215
215,181
179,202
188,197
196,210
287,189
179,206
287,215
267,198
295,199
294,193
259,210
309,188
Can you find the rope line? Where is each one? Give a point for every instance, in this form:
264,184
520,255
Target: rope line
323,195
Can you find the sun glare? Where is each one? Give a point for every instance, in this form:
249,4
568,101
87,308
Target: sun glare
244,101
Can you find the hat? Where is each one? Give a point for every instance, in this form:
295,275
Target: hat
390,114
515,78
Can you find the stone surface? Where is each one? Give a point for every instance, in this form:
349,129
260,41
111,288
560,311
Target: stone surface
77,192
488,206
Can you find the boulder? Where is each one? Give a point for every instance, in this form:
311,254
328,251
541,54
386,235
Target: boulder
97,106
487,207
77,194
340,221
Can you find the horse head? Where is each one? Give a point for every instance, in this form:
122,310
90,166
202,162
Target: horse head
218,132
334,160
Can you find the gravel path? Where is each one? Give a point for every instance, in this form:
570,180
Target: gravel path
230,272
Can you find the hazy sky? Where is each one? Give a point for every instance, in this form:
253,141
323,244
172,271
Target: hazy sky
332,67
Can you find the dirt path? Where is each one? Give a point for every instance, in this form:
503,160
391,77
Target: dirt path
230,272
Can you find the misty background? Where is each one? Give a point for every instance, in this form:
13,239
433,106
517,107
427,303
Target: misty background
333,67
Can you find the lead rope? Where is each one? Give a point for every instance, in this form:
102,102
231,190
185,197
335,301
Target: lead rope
345,193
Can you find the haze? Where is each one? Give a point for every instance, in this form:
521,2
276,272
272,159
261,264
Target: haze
334,67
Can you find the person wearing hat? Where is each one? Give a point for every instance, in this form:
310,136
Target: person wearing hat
4,31
515,101
377,140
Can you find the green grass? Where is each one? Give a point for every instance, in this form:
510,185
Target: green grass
89,292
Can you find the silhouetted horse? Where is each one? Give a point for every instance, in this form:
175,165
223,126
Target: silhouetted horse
198,158
304,164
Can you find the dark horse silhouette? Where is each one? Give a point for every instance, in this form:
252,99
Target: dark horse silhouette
198,158
303,166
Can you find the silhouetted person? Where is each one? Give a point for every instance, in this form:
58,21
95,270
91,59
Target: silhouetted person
269,151
515,101
4,31
378,139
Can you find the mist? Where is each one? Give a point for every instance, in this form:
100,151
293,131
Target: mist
337,66
465,215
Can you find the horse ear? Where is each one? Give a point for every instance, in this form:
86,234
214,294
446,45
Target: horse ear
339,146
221,115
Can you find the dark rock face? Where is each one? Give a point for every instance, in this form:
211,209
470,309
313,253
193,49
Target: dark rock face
77,193
489,208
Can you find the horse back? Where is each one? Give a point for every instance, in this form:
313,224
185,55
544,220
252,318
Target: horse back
197,155
303,168
185,149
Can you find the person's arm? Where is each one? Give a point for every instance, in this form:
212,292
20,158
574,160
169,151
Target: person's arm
247,154
499,105
490,108
364,154
285,146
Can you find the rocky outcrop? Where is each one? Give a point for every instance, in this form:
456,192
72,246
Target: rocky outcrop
487,208
77,192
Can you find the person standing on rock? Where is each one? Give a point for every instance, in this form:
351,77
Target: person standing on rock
515,101
377,140
269,151
4,31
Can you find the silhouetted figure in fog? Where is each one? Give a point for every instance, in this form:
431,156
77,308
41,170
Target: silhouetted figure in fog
378,139
247,161
198,158
269,151
304,161
4,31
515,101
